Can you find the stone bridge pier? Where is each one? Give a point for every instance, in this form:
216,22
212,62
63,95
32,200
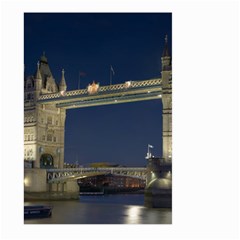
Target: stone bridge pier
36,187
158,191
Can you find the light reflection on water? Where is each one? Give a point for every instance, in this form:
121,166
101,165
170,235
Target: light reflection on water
133,214
109,209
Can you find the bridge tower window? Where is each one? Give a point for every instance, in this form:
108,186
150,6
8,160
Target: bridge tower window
49,137
46,161
49,120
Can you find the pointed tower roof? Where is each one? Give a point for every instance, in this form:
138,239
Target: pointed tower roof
62,84
43,58
44,69
165,50
38,74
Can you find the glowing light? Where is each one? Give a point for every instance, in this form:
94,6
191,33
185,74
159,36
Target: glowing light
148,91
93,88
63,93
115,100
159,95
26,182
127,84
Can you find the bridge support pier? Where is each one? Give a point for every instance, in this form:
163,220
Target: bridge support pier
37,188
158,191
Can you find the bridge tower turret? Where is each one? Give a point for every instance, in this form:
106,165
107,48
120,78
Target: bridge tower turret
38,81
167,103
62,84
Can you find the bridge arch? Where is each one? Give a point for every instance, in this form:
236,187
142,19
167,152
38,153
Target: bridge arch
46,161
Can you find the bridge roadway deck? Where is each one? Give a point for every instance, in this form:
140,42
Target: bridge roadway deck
63,175
131,91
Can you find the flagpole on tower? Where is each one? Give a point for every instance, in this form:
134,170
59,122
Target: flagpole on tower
79,79
149,153
111,74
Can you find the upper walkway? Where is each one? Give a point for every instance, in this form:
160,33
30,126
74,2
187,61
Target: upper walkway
94,95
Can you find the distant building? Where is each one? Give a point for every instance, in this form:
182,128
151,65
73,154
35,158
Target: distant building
112,181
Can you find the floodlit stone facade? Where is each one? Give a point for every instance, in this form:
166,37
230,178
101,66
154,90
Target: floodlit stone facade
43,124
167,103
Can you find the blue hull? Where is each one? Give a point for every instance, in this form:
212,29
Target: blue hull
37,211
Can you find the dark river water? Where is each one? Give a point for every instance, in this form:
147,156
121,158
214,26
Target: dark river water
105,209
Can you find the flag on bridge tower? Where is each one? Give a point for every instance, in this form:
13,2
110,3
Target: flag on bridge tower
81,74
112,70
111,74
149,154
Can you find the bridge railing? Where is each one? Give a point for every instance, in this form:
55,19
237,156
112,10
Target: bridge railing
109,88
54,175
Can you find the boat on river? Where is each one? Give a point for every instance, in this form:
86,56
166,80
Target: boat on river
91,193
37,211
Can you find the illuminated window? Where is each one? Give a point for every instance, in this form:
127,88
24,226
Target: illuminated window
49,120
49,137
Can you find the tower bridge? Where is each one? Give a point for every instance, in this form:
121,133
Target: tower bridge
45,107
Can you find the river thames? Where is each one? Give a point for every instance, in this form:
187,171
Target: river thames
105,209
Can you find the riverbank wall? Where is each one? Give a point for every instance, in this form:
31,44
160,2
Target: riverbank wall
36,187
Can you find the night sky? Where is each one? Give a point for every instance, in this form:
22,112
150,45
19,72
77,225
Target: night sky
90,42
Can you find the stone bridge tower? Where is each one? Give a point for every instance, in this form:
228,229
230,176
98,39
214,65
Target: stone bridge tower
167,103
158,191
43,124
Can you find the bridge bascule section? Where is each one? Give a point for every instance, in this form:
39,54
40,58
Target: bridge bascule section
64,175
